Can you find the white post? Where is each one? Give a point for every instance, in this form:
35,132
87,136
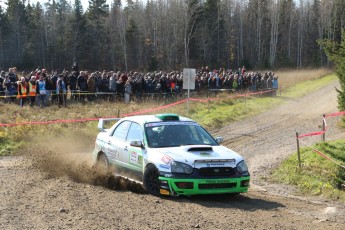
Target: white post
188,94
188,75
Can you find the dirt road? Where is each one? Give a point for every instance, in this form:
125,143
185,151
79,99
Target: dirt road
51,189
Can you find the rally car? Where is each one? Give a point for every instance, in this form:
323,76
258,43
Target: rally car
173,155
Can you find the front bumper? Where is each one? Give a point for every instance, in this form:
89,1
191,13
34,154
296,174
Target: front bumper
180,186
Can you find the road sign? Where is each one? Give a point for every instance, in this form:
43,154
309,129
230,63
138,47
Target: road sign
189,78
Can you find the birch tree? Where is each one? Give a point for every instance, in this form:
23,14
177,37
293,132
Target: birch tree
192,19
300,33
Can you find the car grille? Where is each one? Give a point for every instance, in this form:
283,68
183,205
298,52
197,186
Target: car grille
215,186
216,171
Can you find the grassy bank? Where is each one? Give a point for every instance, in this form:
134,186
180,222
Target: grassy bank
317,175
216,114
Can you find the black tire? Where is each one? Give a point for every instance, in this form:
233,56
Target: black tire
151,181
102,163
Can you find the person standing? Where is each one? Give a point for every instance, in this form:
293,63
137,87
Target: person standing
91,85
82,85
112,87
41,91
128,91
22,91
61,91
72,82
13,86
32,90
2,85
54,79
275,85
12,75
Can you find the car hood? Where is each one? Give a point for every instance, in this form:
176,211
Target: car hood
199,155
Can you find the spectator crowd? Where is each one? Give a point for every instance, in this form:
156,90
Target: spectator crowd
42,88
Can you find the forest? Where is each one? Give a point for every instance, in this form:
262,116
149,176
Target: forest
168,34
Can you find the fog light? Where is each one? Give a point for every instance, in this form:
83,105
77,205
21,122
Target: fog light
245,183
164,192
184,185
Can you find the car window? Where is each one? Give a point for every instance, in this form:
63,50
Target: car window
135,133
121,130
172,134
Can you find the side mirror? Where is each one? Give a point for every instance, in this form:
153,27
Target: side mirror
136,144
219,140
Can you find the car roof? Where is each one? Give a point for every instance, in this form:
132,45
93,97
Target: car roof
143,119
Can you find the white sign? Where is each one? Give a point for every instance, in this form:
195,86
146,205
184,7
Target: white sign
189,78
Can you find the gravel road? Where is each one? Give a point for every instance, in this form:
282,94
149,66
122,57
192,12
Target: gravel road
54,188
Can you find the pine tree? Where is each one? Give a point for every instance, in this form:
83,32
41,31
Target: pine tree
78,31
132,35
336,53
97,14
4,27
16,15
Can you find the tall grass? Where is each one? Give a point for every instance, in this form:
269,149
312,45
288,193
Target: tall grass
290,78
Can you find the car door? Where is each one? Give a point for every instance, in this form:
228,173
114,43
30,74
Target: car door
116,145
135,154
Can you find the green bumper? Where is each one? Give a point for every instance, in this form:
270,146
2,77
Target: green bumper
178,186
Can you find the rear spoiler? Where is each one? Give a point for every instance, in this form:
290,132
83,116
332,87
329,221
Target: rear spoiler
103,120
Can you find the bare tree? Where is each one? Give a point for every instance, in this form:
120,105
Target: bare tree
192,11
300,33
275,5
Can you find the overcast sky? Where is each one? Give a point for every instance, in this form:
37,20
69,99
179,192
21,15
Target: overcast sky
85,3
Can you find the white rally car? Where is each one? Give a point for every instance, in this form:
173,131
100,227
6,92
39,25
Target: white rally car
173,155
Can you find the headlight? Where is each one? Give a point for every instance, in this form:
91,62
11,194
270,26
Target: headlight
242,167
177,167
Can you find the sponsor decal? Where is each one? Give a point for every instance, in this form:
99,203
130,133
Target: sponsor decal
171,123
133,157
114,154
216,181
214,164
205,154
164,166
166,160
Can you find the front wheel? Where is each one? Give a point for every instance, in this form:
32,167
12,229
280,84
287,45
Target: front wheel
151,180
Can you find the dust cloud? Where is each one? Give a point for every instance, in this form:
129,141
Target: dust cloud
71,157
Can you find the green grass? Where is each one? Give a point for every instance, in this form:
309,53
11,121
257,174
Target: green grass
8,145
308,86
317,175
217,114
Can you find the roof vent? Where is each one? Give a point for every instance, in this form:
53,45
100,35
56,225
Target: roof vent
168,117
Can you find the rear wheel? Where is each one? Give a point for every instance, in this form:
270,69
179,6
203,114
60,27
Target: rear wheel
151,181
102,163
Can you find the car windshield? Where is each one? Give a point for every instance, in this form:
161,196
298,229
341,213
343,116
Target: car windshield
173,134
